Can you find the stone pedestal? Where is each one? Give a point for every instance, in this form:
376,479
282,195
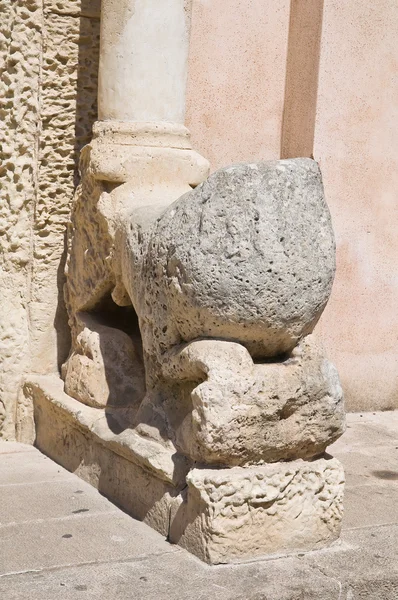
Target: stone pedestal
220,515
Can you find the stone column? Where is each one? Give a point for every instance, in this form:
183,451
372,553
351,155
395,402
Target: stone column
139,161
141,93
143,60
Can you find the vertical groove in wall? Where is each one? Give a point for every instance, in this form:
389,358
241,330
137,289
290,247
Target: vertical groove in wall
302,70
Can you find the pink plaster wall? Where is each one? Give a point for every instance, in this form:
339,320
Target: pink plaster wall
236,78
356,143
235,105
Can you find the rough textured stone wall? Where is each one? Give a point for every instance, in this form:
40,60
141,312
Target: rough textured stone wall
68,109
20,63
48,81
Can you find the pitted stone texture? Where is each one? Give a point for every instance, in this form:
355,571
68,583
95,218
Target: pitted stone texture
247,512
88,269
20,46
68,109
247,413
249,255
119,177
75,8
48,76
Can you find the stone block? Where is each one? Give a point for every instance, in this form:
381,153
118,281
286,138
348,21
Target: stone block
241,513
105,367
221,515
245,412
249,255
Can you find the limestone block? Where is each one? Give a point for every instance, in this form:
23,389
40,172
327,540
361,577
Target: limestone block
115,469
159,165
55,413
249,255
105,368
231,514
146,154
88,267
243,412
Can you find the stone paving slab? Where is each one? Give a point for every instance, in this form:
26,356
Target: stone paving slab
79,539
15,447
369,430
365,563
60,499
366,467
51,548
29,467
372,505
175,577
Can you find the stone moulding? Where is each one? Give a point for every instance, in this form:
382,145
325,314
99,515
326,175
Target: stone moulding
220,515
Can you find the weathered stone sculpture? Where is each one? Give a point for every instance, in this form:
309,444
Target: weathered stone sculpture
195,395
227,284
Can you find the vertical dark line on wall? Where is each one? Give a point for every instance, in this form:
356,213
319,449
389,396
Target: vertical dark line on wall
302,71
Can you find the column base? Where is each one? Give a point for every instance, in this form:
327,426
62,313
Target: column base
220,515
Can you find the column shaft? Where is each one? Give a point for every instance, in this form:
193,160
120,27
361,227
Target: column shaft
143,60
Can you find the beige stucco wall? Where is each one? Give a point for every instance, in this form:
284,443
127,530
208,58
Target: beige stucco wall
236,78
254,93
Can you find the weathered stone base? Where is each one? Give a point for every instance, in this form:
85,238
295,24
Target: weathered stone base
244,512
222,515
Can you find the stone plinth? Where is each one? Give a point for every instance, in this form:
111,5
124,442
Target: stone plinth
220,515
238,513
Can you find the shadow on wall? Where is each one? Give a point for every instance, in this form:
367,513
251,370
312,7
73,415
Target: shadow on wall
85,116
302,71
87,76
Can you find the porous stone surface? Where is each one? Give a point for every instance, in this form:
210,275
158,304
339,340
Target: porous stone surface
249,255
207,402
138,168
244,412
47,104
88,269
20,49
68,108
247,512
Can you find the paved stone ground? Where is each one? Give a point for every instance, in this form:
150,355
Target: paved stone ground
60,539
